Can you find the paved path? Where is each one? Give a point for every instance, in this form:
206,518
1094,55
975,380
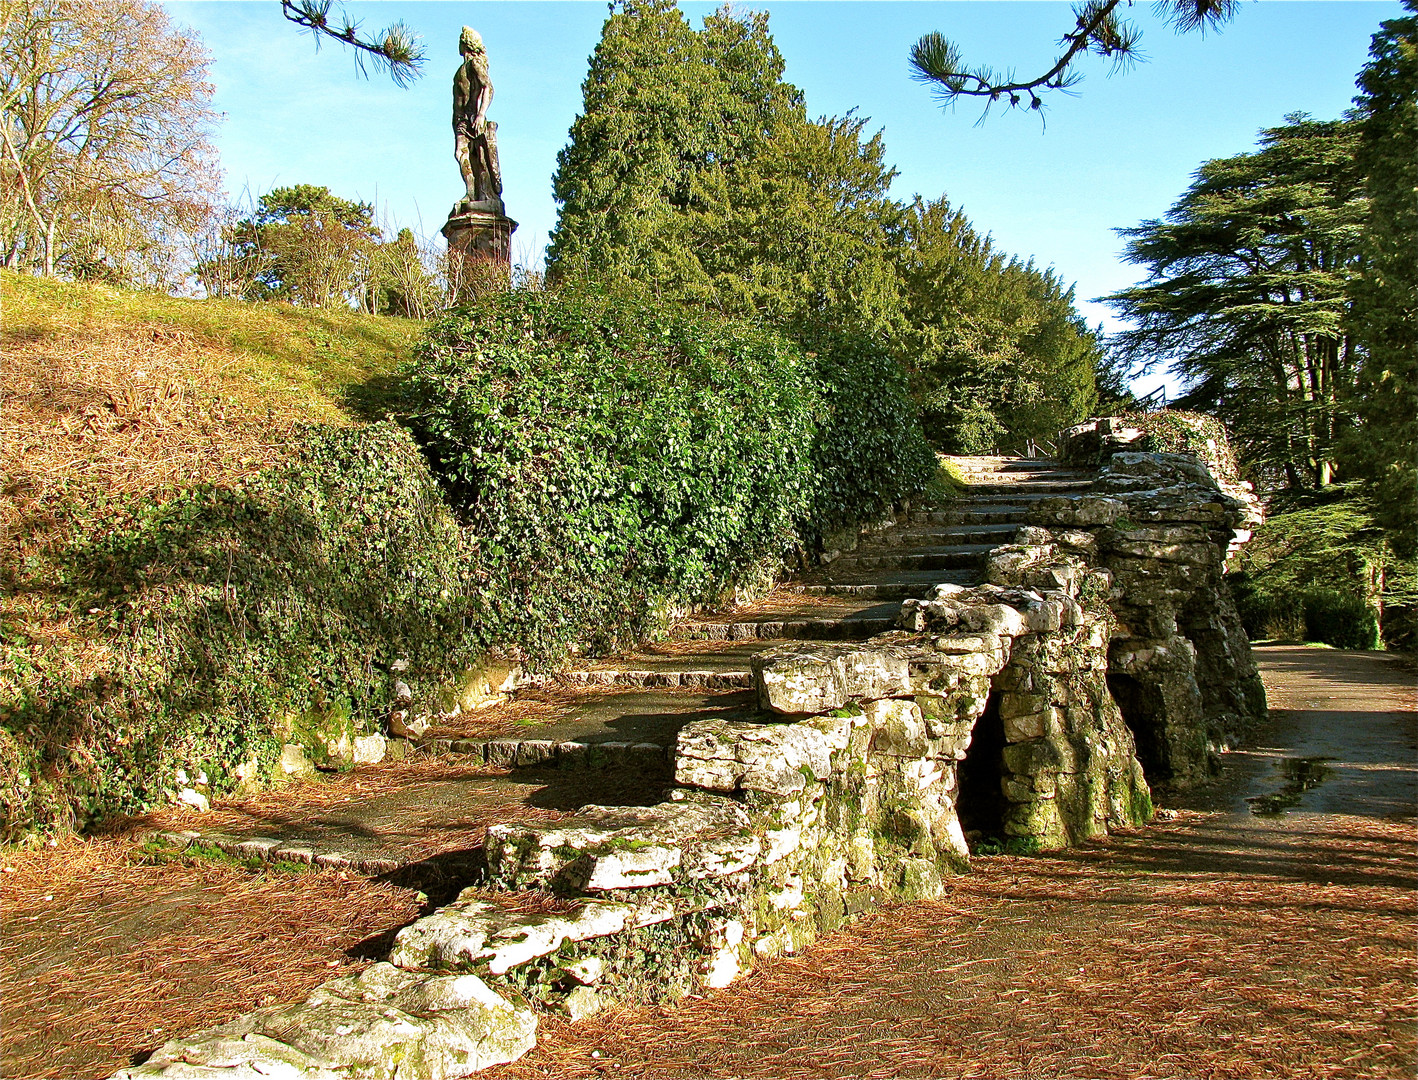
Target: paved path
1220,942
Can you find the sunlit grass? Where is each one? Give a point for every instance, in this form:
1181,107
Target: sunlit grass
262,356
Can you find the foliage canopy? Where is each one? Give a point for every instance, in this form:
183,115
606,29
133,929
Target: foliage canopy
694,174
994,347
618,457
1385,294
1247,297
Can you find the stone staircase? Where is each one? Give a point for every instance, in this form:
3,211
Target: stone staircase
856,594
603,744
618,718
629,709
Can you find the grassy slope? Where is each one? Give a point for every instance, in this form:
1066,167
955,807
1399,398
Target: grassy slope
108,391
293,360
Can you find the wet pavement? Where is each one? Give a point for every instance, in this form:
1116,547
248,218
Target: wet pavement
1342,738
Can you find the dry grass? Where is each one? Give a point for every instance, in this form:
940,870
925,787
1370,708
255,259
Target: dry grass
130,410
1195,950
107,391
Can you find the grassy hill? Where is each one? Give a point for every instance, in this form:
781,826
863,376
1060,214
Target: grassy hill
178,565
111,391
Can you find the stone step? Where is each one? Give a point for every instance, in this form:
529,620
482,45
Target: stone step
967,513
950,557
1026,487
658,678
823,581
553,716
939,535
794,629
649,758
866,590
1012,498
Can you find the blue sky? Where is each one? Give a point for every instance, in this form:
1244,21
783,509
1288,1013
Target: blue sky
1118,152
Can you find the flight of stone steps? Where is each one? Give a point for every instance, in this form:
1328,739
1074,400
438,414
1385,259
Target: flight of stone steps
628,709
605,732
858,593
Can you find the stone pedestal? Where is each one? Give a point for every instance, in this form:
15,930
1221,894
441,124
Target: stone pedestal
479,236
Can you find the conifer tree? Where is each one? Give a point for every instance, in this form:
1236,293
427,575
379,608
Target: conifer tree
693,170
1247,296
994,347
1385,295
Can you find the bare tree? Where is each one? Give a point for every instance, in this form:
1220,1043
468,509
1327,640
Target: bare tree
225,258
105,111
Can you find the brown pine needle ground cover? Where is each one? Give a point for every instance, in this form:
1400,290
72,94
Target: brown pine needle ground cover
107,954
1206,947
110,949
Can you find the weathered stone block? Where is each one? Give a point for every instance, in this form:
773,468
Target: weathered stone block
598,848
723,755
799,679
384,1023
471,930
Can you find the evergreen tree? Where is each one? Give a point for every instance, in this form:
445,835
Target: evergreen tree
694,171
1248,295
312,246
803,233
1385,295
662,103
994,347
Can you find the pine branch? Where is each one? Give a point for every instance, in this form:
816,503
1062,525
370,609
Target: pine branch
1097,30
395,48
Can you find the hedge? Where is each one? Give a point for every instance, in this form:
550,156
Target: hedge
617,459
584,466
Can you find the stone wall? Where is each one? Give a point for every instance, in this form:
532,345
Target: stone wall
1180,664
844,793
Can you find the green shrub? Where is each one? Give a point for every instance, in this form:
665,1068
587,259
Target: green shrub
617,458
1171,431
1327,616
204,625
1339,619
1266,615
869,451
611,460
1320,569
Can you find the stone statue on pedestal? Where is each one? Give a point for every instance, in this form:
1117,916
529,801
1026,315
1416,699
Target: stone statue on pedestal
478,226
474,137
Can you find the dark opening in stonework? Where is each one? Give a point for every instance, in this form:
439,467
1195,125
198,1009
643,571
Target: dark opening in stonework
1141,713
981,803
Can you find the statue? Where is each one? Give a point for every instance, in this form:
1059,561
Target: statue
474,136
478,230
